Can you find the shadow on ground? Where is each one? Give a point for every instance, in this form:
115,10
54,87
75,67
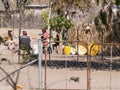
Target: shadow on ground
97,65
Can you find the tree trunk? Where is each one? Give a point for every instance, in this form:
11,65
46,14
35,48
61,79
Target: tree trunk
61,43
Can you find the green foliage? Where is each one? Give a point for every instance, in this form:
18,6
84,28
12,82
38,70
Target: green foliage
117,2
68,24
44,16
58,11
59,23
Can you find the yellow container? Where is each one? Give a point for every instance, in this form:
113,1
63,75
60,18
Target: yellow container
67,50
93,49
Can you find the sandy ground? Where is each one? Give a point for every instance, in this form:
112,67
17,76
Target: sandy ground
62,78
56,77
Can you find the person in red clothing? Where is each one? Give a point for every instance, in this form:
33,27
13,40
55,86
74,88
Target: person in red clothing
45,40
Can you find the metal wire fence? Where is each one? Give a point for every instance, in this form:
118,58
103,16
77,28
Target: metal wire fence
66,72
86,72
89,68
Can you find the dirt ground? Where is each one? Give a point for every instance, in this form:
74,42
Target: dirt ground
68,78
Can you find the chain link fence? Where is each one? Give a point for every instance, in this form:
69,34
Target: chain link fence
86,72
90,68
65,72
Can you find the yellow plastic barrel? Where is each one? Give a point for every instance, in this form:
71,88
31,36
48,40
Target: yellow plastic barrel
67,50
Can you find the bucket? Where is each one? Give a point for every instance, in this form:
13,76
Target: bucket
67,50
81,48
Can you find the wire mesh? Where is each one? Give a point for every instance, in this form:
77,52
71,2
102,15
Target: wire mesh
64,72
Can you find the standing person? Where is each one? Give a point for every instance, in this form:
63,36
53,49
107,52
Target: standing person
45,40
25,42
57,43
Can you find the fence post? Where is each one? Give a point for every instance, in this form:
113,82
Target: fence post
111,57
40,62
88,70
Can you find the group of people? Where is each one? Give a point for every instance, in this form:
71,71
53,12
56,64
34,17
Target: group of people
25,41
